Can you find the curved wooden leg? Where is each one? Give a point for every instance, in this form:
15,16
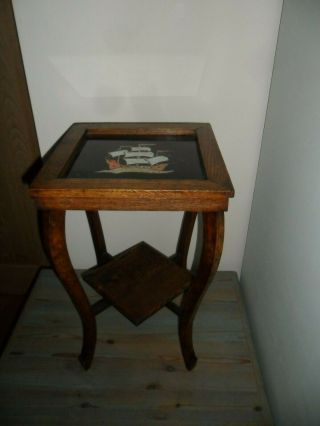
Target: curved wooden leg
97,237
213,233
185,238
53,233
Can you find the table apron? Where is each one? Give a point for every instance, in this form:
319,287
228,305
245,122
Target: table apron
195,205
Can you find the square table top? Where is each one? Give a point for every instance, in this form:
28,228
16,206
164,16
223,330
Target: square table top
134,166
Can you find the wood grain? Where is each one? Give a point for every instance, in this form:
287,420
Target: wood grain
53,223
98,240
212,243
184,240
172,199
19,237
138,281
138,377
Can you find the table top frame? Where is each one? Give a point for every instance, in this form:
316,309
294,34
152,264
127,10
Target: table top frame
51,190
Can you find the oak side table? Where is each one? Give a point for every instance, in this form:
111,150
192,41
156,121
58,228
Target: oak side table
135,166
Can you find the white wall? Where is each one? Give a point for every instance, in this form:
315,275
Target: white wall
154,60
281,270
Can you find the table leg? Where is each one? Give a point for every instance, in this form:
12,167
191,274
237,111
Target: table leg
97,237
212,243
185,238
53,234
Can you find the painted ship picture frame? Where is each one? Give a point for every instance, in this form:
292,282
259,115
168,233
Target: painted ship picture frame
138,158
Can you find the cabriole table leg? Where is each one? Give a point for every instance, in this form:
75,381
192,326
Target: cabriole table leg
184,240
97,237
53,235
212,243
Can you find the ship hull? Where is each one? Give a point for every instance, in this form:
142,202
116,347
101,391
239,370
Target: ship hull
117,168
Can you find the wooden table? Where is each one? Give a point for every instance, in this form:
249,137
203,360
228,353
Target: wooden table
140,166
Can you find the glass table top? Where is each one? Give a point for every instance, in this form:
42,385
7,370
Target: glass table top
160,157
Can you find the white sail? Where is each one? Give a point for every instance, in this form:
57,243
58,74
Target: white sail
131,161
118,153
140,148
158,159
139,154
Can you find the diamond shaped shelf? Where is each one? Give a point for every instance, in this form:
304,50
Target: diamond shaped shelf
138,281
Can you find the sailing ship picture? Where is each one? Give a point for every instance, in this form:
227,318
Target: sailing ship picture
137,159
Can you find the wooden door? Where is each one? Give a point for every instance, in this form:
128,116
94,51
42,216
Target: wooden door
21,253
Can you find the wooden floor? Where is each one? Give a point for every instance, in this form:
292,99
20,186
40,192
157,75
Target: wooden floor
137,377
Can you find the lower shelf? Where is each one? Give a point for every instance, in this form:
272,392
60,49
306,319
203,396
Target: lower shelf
138,281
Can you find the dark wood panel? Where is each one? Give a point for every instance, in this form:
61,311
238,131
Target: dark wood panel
16,281
19,240
10,306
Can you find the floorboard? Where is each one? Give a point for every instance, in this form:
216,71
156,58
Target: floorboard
137,377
